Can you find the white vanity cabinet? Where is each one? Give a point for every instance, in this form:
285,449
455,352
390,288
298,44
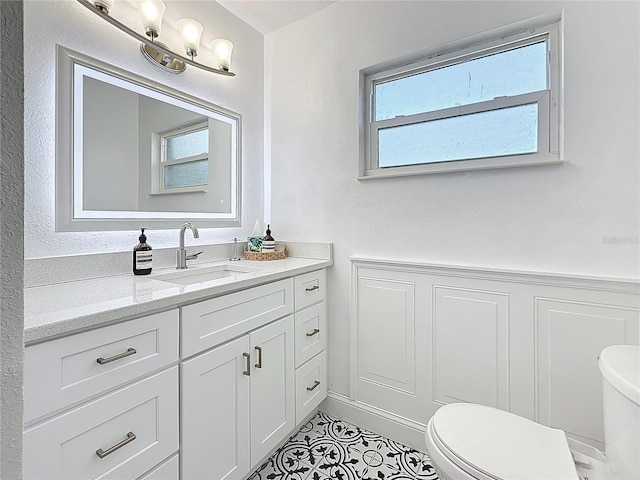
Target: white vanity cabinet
238,398
103,403
204,391
241,399
310,342
237,406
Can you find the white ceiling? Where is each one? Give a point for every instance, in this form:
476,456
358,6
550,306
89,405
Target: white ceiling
269,15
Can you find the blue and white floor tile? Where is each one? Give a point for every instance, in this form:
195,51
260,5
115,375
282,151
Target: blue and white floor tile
329,448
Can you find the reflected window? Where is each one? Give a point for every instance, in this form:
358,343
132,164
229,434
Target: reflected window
184,164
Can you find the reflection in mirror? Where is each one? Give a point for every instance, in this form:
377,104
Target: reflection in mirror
130,151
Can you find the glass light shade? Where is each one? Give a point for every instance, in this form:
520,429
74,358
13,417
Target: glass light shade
191,32
222,49
152,12
104,5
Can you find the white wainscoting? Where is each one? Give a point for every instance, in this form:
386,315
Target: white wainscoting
425,335
470,346
568,385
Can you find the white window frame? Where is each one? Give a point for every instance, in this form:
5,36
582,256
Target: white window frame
547,28
161,190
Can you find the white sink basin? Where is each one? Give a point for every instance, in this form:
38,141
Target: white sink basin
194,275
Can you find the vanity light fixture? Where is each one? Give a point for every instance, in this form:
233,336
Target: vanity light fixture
158,53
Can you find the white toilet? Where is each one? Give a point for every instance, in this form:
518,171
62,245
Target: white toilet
467,441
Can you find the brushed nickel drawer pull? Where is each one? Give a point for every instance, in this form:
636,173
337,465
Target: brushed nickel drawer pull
259,364
247,372
315,287
315,332
103,453
102,361
315,384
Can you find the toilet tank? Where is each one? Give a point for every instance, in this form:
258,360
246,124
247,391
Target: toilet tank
620,367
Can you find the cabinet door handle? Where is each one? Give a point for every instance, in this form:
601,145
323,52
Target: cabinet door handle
247,372
315,384
315,332
130,351
103,453
315,287
259,364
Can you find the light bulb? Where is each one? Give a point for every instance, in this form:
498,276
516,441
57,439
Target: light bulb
222,49
103,5
152,13
191,32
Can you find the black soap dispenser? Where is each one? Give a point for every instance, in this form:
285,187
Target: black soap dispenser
142,256
268,243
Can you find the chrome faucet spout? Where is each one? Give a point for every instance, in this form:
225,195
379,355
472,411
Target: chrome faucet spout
181,254
183,228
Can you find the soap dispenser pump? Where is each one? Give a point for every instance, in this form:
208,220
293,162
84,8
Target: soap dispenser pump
142,256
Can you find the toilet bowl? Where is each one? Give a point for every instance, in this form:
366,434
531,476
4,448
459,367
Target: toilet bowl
468,441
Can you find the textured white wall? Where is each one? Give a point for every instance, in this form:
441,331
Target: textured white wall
553,218
68,23
11,240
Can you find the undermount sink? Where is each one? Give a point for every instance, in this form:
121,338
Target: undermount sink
194,275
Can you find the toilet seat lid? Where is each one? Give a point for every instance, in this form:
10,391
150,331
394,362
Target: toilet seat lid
502,445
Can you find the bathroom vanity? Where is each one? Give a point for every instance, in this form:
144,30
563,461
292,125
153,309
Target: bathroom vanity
200,374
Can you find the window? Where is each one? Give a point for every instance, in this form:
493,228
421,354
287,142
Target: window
184,159
486,103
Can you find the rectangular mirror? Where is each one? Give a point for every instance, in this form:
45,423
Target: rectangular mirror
132,152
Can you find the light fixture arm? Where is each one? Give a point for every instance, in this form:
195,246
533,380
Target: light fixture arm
149,42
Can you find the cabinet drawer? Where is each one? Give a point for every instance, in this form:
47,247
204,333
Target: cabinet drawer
134,429
311,385
310,332
310,288
212,322
63,372
169,470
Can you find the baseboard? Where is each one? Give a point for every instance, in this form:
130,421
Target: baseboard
400,429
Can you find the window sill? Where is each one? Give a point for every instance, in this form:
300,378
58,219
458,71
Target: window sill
462,166
190,190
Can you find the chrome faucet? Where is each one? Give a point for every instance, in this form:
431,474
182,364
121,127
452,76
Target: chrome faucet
181,253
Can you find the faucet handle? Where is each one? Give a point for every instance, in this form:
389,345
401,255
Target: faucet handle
193,256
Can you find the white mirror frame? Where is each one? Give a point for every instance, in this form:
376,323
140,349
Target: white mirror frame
70,214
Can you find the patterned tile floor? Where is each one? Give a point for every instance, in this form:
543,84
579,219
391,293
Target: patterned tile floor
328,448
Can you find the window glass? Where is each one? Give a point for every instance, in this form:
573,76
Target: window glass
495,133
512,72
188,145
187,174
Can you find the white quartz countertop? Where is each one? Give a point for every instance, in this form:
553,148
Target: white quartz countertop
63,308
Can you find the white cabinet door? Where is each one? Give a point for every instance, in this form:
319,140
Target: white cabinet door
272,386
215,413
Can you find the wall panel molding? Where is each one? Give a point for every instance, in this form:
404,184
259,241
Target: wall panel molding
569,336
474,366
585,282
526,342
